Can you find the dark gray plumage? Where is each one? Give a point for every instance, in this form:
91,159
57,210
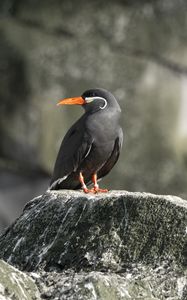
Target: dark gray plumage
92,145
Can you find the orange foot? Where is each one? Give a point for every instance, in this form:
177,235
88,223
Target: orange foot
96,186
98,190
86,190
95,190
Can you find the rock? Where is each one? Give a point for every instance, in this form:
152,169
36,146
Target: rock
16,285
70,229
140,283
119,245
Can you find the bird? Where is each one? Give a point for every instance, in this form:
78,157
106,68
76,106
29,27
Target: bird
92,146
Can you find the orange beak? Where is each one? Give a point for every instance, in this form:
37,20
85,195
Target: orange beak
72,101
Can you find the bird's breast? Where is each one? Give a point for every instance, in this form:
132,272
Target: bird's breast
103,132
102,128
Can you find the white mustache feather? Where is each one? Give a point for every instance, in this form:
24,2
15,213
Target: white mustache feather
90,99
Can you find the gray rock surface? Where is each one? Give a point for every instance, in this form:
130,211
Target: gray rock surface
139,282
119,245
16,285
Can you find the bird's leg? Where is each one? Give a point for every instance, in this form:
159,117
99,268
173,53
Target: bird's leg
96,186
84,187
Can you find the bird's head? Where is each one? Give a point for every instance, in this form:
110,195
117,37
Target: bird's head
93,100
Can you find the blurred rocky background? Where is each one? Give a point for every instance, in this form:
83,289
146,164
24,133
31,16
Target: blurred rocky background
56,48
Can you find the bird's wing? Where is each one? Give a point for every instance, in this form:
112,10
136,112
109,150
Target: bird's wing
113,157
74,148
